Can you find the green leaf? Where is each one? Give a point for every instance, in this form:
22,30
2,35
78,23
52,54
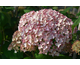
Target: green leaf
26,11
55,8
5,19
12,8
61,55
43,56
27,58
65,10
78,57
78,14
76,23
0,37
3,57
77,7
8,18
43,6
11,54
78,32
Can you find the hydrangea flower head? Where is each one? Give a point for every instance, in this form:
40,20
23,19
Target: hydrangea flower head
76,47
40,28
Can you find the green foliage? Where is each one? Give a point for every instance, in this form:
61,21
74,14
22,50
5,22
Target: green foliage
61,56
76,23
66,10
55,7
11,54
9,8
0,37
78,14
26,11
27,58
3,18
42,56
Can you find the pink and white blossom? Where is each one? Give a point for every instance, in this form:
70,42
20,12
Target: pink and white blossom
40,28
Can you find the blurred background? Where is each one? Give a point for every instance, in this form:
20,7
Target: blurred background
9,19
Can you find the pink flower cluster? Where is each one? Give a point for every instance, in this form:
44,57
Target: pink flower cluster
40,28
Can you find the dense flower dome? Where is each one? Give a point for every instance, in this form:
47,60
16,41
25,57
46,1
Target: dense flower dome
76,47
46,29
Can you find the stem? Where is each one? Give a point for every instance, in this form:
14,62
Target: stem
33,55
65,7
2,39
79,26
15,11
73,11
74,55
79,9
27,55
7,40
40,7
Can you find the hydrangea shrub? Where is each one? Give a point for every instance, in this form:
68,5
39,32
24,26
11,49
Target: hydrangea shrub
46,29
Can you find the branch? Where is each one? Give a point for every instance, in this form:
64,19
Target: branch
74,55
27,55
79,9
73,11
